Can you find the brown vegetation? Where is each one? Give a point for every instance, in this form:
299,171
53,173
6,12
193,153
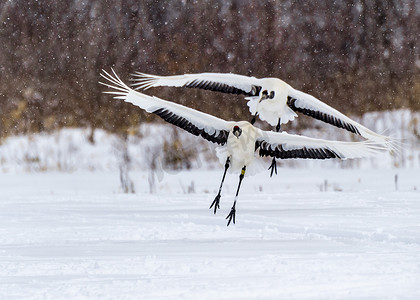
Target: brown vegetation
356,55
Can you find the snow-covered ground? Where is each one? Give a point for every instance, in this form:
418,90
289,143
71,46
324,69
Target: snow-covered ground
69,150
319,230
304,234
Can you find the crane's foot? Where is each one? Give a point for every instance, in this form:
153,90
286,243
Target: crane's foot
273,167
231,216
215,203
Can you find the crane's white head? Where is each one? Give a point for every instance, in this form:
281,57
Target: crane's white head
272,88
265,94
237,131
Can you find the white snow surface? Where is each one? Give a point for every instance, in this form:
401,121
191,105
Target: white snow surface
317,230
69,150
303,234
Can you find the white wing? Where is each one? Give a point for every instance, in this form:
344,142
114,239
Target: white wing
282,145
311,106
250,86
220,82
198,123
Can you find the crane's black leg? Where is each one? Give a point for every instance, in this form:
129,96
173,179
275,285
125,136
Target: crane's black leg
278,126
231,215
217,199
273,165
254,118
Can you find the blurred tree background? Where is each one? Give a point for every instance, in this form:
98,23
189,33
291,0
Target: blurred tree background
356,55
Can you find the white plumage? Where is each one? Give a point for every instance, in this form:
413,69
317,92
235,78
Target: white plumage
272,99
220,131
239,140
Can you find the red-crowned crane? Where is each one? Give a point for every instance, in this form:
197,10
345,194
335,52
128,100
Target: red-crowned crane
272,99
238,140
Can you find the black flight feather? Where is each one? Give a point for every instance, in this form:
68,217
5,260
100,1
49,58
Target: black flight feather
220,136
322,116
221,87
304,152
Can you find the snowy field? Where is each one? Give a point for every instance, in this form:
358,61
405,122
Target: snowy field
68,149
304,234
